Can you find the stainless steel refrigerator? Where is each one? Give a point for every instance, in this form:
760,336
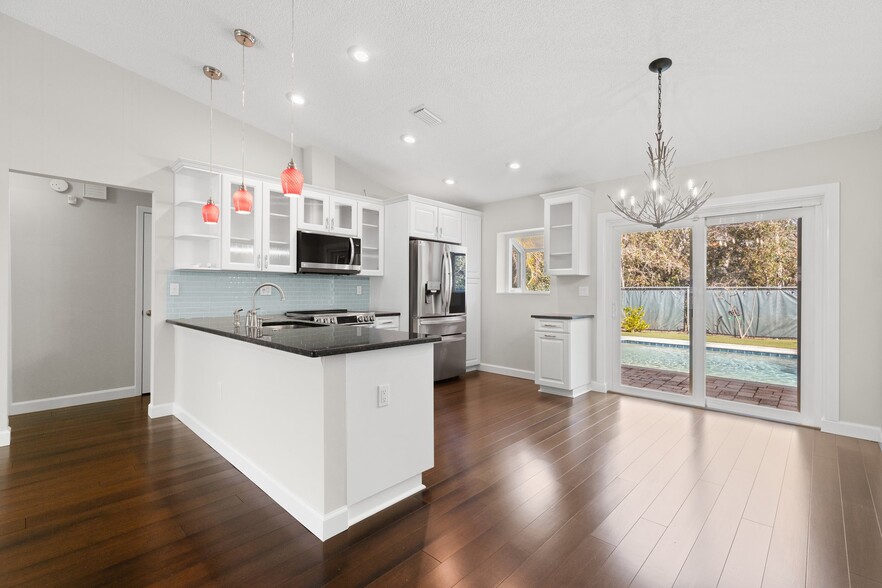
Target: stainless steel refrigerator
437,302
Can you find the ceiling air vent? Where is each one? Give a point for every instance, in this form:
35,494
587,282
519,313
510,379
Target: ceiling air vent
427,116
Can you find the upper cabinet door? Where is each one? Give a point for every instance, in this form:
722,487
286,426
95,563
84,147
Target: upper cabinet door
344,216
279,230
371,232
567,232
240,233
423,221
449,225
313,211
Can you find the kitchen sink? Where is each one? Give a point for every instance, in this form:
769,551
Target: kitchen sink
281,326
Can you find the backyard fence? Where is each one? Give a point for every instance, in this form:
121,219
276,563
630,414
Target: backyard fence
754,312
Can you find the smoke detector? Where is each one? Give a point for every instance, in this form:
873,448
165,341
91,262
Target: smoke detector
427,116
59,185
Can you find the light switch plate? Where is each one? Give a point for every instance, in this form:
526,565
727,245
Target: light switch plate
383,395
174,289
358,290
583,291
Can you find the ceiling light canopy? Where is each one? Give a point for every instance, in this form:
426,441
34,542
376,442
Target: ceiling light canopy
409,139
662,201
359,54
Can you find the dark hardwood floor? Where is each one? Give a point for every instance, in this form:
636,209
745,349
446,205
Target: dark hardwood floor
527,490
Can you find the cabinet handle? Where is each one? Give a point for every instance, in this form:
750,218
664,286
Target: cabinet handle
332,223
266,261
257,260
550,325
549,336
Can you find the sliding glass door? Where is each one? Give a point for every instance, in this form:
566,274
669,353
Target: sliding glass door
656,284
710,312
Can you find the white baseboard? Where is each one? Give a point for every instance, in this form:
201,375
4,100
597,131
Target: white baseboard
5,437
322,526
155,411
27,406
506,371
574,393
856,430
598,387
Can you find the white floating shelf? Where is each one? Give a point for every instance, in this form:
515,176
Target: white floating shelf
196,236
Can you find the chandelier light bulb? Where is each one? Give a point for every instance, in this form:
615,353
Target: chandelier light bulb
690,184
622,194
654,185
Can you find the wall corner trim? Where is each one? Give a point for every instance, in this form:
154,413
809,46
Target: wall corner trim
156,411
856,430
5,437
41,404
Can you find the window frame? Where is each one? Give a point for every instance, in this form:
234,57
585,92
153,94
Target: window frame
509,242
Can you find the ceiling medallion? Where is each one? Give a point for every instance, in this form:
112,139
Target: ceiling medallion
663,201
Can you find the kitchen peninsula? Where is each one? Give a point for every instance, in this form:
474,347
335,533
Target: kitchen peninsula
334,423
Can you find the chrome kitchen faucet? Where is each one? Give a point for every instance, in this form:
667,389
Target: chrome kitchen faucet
251,320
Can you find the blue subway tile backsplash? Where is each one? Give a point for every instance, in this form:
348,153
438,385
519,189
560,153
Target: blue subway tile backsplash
205,294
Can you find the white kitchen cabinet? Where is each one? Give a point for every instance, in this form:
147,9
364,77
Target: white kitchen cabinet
567,232
473,321
324,211
437,223
279,230
197,245
241,238
471,239
371,231
562,354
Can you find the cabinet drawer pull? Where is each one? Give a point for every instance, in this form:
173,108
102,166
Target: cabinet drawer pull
556,326
550,336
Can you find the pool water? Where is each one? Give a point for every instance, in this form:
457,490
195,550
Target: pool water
751,367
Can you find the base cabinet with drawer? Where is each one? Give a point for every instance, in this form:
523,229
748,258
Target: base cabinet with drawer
390,322
562,351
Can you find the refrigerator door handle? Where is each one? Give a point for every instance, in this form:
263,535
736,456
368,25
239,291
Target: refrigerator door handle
447,268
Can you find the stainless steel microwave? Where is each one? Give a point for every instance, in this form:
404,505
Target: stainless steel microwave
319,253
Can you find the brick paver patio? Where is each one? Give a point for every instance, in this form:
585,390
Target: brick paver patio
784,397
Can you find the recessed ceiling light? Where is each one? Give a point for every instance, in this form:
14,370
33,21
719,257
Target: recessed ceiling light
449,181
514,165
358,54
297,99
409,139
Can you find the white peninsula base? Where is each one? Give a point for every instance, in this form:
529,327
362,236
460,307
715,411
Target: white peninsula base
309,431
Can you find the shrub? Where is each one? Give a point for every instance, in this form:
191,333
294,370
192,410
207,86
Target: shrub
633,321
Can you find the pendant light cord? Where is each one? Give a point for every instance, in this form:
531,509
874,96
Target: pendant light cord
210,124
243,115
292,80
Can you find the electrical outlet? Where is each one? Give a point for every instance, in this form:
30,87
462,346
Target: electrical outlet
174,289
358,290
266,291
583,291
383,395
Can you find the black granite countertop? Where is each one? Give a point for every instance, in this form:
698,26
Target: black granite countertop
562,317
309,340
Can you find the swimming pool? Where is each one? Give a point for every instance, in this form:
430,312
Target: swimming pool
769,368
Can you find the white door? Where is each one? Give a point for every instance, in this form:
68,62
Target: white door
313,212
344,216
279,230
552,350
146,285
240,233
449,225
423,221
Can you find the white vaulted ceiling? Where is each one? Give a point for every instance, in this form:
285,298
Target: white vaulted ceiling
560,86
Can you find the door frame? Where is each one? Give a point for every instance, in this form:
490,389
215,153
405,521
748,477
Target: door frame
824,199
140,212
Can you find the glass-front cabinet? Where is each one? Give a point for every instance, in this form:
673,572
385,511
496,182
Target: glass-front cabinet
241,234
370,220
279,230
326,212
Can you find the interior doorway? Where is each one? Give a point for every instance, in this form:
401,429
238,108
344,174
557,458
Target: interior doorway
143,301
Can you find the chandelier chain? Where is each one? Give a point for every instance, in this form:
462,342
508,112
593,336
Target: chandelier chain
659,103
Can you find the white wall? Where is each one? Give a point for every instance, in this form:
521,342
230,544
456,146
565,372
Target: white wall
854,161
68,113
73,289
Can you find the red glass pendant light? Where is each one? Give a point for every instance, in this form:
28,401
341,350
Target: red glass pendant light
292,180
210,211
242,201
